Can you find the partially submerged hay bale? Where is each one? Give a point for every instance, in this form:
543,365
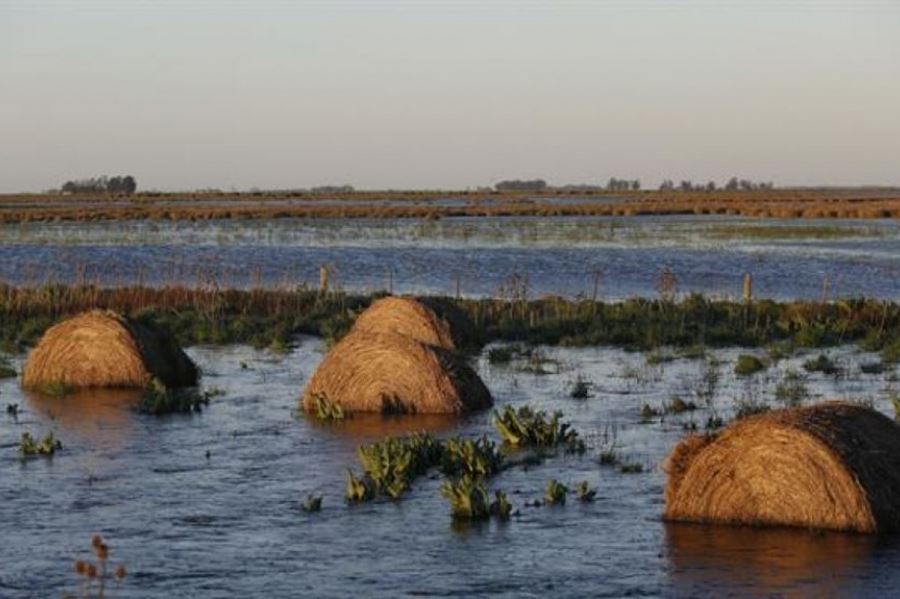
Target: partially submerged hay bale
429,321
388,373
103,349
832,466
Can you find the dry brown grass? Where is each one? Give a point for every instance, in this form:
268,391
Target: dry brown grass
390,373
414,318
777,203
831,466
103,349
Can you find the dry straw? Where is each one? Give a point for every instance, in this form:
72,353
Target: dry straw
432,322
832,466
391,373
103,349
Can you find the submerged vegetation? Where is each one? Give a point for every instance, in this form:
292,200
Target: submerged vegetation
157,399
526,427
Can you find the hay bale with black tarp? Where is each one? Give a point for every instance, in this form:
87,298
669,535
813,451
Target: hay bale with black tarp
832,466
430,320
101,348
390,373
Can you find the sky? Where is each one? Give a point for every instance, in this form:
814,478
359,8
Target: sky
447,94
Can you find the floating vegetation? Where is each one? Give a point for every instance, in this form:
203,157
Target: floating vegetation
501,355
609,457
6,369
872,368
750,407
528,428
678,406
157,399
95,576
325,409
631,468
747,365
48,446
313,503
822,364
585,492
55,389
791,389
12,410
581,388
555,493
657,357
648,413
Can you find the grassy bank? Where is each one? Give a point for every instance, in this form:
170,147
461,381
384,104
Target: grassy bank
778,203
271,318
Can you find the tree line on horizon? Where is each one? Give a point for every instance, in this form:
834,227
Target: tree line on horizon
615,184
120,184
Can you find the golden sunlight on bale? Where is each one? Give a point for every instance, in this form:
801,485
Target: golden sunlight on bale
430,321
832,466
103,349
389,373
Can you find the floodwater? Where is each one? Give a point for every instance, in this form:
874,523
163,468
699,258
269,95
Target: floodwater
619,257
208,505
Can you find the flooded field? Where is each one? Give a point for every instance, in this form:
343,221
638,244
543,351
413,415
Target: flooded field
619,257
209,504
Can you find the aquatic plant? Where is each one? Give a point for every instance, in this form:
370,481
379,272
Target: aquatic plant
55,389
747,365
392,464
585,492
478,458
6,369
468,498
631,468
791,389
555,492
312,503
12,410
47,446
358,490
96,576
501,507
581,388
325,409
501,355
648,413
157,399
822,363
678,406
526,427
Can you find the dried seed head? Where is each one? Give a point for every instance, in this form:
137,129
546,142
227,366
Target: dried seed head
91,571
96,540
102,551
120,572
80,567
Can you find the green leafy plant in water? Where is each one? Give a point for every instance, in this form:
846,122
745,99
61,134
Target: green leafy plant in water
359,489
822,363
555,493
678,406
46,447
478,458
327,409
157,399
632,468
392,464
585,492
468,498
528,428
747,365
313,503
791,389
581,388
501,507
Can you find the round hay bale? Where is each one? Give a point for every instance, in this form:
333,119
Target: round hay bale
389,373
418,319
103,349
831,466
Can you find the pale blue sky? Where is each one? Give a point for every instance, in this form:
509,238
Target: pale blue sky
447,93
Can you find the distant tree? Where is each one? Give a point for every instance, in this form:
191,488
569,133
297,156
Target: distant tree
520,185
636,185
732,184
667,185
104,184
686,186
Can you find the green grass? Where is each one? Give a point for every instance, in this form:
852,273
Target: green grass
747,365
47,446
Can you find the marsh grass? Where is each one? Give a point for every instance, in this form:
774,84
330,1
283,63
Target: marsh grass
327,410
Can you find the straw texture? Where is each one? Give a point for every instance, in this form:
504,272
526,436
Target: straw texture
429,321
831,466
104,349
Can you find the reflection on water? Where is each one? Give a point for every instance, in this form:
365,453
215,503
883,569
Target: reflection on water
764,560
98,415
363,427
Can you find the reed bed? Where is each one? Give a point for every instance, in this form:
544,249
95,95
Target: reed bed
264,317
778,203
